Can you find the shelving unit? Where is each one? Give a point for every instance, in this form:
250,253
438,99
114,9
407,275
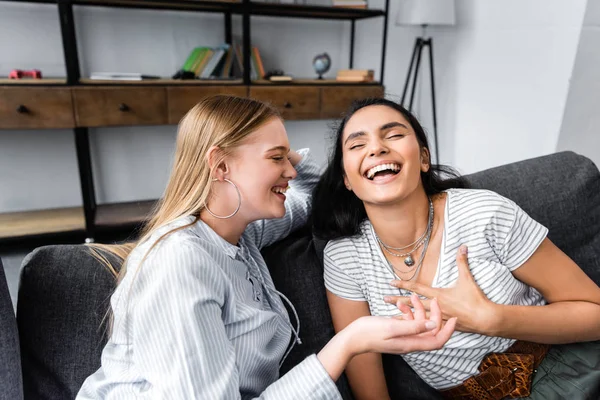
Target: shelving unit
80,103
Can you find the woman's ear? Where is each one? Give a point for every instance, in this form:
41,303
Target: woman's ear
425,160
347,183
216,162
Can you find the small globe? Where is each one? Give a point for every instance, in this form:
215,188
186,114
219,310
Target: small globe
321,64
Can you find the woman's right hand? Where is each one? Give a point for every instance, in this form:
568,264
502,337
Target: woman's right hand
400,335
412,331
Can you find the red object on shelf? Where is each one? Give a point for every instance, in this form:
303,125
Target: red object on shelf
19,74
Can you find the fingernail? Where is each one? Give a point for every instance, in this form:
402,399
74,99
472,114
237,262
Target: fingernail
463,249
387,299
430,325
394,283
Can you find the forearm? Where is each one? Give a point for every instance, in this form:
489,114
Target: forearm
561,322
366,377
336,354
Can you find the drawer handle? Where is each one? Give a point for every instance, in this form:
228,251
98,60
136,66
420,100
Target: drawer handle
287,104
22,109
123,107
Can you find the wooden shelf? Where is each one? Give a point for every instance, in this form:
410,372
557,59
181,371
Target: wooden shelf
163,82
31,1
265,9
314,82
316,12
181,5
39,222
118,215
35,82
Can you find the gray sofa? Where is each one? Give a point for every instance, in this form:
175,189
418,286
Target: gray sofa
11,383
64,292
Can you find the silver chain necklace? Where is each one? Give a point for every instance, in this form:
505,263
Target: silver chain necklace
426,240
408,260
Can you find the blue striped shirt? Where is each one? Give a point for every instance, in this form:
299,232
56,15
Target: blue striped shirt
201,318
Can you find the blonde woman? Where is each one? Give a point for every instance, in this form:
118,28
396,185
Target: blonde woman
196,315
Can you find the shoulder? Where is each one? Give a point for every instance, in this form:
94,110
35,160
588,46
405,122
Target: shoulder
480,202
350,246
176,253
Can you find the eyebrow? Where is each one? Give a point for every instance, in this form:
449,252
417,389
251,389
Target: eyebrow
383,127
281,148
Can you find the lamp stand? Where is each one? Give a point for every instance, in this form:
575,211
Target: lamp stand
412,76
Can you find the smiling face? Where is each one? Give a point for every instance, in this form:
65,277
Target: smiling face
261,169
382,158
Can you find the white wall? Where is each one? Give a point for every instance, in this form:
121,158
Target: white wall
580,131
501,75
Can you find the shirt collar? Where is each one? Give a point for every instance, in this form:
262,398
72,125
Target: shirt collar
202,230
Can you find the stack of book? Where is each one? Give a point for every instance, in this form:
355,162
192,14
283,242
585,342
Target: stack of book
218,63
355,75
350,3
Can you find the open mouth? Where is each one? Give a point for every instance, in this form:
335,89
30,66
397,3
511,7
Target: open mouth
280,191
382,171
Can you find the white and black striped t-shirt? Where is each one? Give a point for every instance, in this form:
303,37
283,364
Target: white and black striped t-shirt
500,237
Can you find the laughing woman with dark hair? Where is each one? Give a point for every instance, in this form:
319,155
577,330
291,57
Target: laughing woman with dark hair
401,229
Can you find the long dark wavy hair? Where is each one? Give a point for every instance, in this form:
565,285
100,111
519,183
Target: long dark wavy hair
337,212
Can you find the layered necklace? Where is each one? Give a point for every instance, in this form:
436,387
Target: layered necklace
407,251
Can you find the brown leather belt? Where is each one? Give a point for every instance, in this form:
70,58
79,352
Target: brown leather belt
502,375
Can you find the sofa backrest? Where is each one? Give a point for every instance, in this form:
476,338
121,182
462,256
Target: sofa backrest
63,298
562,192
11,383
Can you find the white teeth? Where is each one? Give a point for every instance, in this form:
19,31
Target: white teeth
382,167
279,189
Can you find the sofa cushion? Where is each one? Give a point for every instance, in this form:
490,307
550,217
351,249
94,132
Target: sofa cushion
10,363
63,297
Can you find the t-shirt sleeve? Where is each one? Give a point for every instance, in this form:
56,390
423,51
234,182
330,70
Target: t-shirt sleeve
521,239
338,266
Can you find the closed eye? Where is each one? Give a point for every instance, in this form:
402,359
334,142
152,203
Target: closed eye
396,136
356,146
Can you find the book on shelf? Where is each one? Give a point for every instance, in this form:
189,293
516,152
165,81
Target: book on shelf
121,76
207,63
257,69
355,75
281,78
361,4
219,62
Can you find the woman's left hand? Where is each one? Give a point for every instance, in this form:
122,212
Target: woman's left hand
294,157
465,300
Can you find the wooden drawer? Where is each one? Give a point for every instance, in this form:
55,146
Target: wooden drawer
181,99
302,102
29,108
336,99
113,106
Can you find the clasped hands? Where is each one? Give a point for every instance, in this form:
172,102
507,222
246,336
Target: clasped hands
465,301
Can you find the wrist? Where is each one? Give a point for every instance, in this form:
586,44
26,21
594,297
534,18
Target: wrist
495,319
337,353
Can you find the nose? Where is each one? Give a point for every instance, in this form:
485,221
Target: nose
289,172
377,148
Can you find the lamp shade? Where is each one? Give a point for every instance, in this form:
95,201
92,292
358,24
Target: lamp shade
426,12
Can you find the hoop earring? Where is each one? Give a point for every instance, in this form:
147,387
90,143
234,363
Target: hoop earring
239,202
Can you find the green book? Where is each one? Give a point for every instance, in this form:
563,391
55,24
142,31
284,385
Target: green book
189,63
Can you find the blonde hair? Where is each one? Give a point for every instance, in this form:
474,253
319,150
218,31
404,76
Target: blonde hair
222,121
